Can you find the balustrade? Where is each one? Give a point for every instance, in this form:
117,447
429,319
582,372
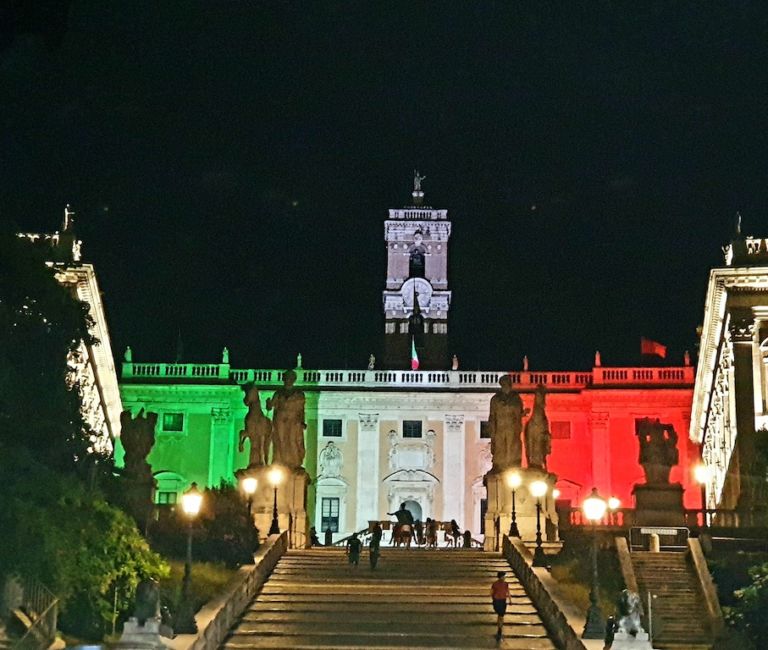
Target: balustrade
521,380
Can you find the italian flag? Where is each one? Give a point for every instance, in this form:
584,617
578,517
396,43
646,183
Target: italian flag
414,356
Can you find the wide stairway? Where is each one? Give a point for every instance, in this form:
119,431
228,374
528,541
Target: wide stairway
678,608
414,599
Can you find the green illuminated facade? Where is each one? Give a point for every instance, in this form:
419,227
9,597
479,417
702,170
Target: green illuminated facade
201,413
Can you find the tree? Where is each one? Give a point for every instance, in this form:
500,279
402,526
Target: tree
748,614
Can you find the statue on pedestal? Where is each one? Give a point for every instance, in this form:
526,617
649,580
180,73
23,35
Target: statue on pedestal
658,450
137,436
538,441
288,423
505,424
258,429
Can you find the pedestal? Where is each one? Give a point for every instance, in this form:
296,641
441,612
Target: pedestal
500,506
291,503
141,637
659,505
624,641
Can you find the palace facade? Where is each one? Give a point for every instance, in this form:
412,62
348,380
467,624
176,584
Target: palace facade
378,437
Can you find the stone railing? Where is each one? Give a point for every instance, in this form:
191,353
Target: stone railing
559,618
524,381
217,617
707,587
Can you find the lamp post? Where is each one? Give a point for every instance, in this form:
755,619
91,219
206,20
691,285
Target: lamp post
248,485
702,473
514,481
275,476
191,501
594,510
538,489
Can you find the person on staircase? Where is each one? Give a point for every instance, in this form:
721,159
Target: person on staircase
354,546
374,548
431,533
500,596
455,533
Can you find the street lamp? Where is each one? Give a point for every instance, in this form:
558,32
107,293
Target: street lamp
514,481
594,510
703,473
191,501
613,506
275,477
248,485
538,489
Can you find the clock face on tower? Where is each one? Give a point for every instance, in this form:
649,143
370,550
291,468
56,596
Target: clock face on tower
420,286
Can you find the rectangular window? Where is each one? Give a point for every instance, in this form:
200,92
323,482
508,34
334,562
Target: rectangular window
329,514
411,428
484,431
165,498
173,422
331,428
560,430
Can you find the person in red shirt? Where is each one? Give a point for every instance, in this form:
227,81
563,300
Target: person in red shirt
500,595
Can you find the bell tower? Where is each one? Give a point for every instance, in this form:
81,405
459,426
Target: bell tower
416,298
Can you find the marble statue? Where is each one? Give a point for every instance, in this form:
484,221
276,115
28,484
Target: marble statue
288,423
330,461
455,363
658,450
128,356
258,429
629,609
371,362
137,436
147,605
417,181
505,424
225,355
538,440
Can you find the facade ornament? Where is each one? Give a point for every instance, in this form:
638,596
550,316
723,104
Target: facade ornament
330,461
220,414
225,355
298,361
128,356
598,360
258,429
455,363
369,421
454,422
485,459
525,362
371,362
742,329
687,358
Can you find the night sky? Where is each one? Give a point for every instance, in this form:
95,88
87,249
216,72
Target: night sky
232,163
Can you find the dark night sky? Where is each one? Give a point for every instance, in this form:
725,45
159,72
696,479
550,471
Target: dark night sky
231,164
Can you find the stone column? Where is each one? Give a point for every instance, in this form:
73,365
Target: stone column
367,507
453,465
742,330
219,448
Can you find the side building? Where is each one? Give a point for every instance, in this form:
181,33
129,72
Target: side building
730,402
376,438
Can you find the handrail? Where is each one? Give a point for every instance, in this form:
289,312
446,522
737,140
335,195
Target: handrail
344,540
41,606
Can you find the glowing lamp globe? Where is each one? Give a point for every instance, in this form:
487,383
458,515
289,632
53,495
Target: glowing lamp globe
514,480
613,503
594,506
249,485
555,493
191,501
538,489
702,473
275,476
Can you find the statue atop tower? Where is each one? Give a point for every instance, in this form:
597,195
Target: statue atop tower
417,194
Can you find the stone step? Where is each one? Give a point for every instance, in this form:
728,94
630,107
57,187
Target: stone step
374,605
409,640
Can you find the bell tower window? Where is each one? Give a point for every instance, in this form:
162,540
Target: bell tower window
416,264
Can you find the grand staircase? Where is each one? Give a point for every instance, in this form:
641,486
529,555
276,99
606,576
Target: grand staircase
678,609
414,599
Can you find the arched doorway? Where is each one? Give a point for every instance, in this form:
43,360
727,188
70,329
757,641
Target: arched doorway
415,508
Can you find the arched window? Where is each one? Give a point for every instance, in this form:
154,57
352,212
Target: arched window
169,487
416,263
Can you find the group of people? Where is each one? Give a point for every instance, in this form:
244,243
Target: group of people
355,546
425,534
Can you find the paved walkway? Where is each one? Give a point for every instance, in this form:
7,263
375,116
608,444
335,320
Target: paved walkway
414,599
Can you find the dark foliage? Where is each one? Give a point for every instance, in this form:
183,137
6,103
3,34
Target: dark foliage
222,532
